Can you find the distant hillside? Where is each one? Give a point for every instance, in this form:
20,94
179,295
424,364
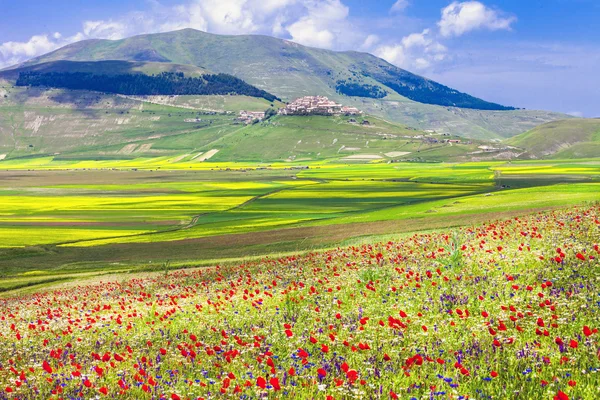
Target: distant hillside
289,70
81,125
110,67
573,138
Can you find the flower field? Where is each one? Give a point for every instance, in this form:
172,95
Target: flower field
508,309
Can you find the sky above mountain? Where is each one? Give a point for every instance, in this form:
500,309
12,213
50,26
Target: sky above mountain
536,54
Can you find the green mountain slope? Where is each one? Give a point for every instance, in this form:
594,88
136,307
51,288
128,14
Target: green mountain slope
289,70
110,67
80,125
131,78
574,138
36,121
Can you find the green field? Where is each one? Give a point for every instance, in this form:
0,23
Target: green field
61,218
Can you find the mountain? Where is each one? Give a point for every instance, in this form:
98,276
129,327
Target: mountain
573,138
289,70
249,57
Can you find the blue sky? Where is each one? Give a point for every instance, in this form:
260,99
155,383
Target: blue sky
536,54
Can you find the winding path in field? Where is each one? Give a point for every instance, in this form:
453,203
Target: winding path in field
195,219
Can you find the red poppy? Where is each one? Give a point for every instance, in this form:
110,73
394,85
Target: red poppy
261,382
46,367
275,383
561,396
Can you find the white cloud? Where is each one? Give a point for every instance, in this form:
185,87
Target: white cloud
392,53
183,16
422,63
369,42
14,52
399,6
324,24
104,29
462,17
308,32
228,16
417,39
418,51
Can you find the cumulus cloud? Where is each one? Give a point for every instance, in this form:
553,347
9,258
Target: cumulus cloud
417,51
461,17
369,42
399,6
104,29
323,25
392,53
15,52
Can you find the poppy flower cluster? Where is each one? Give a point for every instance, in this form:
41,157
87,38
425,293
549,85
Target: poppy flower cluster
508,308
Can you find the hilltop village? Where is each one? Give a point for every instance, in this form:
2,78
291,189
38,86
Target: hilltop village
308,105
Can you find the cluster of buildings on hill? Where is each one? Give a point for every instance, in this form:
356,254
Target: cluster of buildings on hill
317,105
248,117
308,105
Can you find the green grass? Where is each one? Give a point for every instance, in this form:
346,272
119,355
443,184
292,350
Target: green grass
96,219
573,138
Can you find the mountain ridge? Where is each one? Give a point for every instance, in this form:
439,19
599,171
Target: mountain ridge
364,68
290,70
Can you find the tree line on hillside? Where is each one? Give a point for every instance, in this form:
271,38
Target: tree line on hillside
423,90
360,90
165,83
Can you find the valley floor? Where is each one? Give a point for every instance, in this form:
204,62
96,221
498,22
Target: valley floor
61,222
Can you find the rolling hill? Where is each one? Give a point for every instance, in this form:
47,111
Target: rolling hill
81,125
573,138
289,70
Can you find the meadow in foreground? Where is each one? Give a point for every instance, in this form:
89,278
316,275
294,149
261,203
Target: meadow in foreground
508,309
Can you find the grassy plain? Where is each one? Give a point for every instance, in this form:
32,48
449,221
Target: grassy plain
62,218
